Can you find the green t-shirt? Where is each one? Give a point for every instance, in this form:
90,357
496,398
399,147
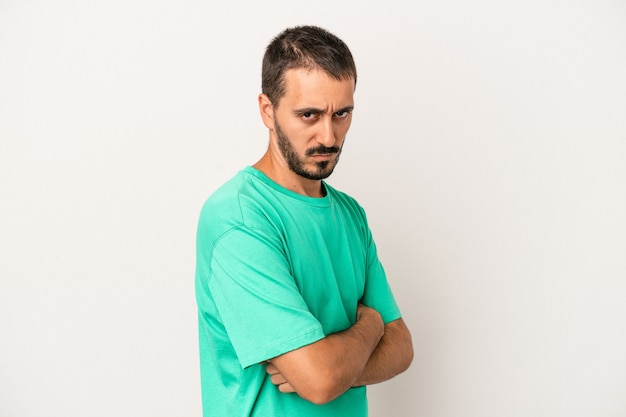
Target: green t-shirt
277,271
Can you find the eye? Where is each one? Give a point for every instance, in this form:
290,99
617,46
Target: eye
308,116
341,114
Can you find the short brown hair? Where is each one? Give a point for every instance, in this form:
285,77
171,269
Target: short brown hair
308,47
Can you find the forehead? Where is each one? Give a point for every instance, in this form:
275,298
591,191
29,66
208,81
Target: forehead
316,88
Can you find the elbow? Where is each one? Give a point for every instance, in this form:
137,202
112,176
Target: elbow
403,355
320,398
407,354
408,357
325,389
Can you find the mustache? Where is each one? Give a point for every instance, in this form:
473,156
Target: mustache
322,150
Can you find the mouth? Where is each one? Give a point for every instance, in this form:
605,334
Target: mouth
323,156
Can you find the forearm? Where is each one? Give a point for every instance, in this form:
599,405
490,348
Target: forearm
392,356
325,369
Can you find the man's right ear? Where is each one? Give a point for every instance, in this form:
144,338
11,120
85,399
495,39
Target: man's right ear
267,111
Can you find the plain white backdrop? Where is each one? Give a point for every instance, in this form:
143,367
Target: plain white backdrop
488,147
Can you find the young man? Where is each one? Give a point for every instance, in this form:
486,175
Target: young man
295,312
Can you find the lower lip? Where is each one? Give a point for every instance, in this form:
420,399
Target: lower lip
323,157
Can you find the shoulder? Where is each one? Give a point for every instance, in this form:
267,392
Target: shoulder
223,201
240,202
345,201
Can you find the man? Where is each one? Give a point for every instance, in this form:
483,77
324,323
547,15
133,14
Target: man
295,312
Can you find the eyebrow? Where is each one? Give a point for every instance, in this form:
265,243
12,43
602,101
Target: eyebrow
314,110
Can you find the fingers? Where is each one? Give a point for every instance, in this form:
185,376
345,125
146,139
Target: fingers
271,369
276,376
286,388
361,310
278,379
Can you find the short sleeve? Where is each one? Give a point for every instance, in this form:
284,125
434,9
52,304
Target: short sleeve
378,294
257,298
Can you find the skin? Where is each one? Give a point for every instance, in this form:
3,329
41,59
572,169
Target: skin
314,113
307,129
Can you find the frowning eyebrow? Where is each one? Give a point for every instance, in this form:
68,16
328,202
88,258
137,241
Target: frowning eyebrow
314,110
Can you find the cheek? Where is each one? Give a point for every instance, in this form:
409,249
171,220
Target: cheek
298,138
341,131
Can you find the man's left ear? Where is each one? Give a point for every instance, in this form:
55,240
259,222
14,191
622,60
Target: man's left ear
267,111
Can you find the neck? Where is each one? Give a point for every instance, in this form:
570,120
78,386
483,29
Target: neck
279,172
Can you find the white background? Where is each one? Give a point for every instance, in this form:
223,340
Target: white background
488,148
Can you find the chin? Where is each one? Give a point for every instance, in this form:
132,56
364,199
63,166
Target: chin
319,173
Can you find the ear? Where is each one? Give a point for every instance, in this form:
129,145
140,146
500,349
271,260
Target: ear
267,111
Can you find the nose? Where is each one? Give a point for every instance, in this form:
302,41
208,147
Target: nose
326,135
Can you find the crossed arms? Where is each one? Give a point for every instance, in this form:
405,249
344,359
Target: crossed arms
367,353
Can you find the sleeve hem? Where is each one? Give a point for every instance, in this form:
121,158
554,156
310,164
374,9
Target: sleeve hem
282,347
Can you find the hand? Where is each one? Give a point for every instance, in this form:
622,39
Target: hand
362,311
367,314
278,380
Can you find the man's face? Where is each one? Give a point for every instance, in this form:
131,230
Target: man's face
311,122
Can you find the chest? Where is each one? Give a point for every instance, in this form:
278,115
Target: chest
326,251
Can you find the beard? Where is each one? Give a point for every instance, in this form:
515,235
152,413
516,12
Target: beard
322,169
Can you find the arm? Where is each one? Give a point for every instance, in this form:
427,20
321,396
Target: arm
322,371
392,356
